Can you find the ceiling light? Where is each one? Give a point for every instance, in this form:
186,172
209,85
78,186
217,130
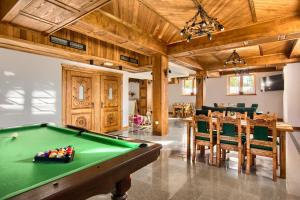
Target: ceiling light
108,64
200,24
234,59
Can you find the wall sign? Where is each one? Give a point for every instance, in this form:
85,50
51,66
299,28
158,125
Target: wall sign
128,59
68,43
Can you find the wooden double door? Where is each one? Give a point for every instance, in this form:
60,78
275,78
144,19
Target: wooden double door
92,99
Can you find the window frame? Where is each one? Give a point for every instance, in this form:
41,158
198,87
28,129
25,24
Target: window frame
240,85
194,87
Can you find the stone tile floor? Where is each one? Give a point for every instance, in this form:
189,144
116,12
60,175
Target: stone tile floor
172,177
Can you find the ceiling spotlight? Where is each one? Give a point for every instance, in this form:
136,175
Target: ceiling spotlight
108,64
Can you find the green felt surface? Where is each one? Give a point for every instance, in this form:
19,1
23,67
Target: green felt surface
18,173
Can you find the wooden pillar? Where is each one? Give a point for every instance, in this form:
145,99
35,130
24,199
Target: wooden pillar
200,85
160,95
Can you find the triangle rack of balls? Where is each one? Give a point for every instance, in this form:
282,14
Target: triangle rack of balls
63,154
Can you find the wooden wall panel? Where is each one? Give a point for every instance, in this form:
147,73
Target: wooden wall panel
15,37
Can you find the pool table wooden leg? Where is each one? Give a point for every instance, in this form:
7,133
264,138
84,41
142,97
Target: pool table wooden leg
120,192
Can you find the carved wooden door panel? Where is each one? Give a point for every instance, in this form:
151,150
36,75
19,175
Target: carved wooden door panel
110,103
80,100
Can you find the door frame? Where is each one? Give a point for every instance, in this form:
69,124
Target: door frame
99,72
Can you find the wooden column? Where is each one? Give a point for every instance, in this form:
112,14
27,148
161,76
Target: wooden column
160,95
200,85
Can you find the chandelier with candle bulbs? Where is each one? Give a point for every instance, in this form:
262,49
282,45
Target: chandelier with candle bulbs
201,24
234,59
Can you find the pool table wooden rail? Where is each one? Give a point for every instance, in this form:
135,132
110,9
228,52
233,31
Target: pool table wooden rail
109,176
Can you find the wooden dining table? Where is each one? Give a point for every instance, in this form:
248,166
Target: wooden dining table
282,129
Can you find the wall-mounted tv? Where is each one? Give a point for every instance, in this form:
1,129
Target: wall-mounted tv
272,83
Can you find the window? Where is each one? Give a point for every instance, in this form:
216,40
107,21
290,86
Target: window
241,84
189,87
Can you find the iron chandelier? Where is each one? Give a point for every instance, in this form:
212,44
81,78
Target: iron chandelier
234,59
201,24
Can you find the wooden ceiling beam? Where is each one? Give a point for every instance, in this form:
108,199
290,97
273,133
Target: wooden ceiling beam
295,50
287,28
252,9
77,15
101,26
9,9
256,70
189,63
259,61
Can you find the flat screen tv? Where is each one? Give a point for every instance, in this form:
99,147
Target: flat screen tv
272,83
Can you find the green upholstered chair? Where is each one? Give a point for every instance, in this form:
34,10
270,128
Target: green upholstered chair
254,105
204,135
203,112
240,105
261,144
230,138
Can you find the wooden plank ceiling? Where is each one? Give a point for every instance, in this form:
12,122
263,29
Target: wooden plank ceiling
264,32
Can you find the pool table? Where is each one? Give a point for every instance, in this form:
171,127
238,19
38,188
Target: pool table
102,163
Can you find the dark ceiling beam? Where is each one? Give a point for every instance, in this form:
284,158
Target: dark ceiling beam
295,50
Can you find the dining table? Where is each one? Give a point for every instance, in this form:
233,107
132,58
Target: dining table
282,129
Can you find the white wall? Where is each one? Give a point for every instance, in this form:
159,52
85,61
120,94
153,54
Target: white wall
30,88
292,94
175,95
135,88
216,90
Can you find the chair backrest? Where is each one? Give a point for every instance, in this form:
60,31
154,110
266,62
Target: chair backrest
231,126
270,116
217,114
203,123
237,115
203,112
240,105
254,105
261,128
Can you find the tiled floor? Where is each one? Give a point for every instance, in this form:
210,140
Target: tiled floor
173,177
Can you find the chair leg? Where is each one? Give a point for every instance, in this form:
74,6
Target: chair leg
253,160
223,154
211,155
274,167
218,155
194,151
248,162
202,151
239,161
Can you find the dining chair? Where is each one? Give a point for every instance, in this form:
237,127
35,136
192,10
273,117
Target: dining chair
217,114
204,135
242,116
269,116
240,105
230,138
254,105
261,144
